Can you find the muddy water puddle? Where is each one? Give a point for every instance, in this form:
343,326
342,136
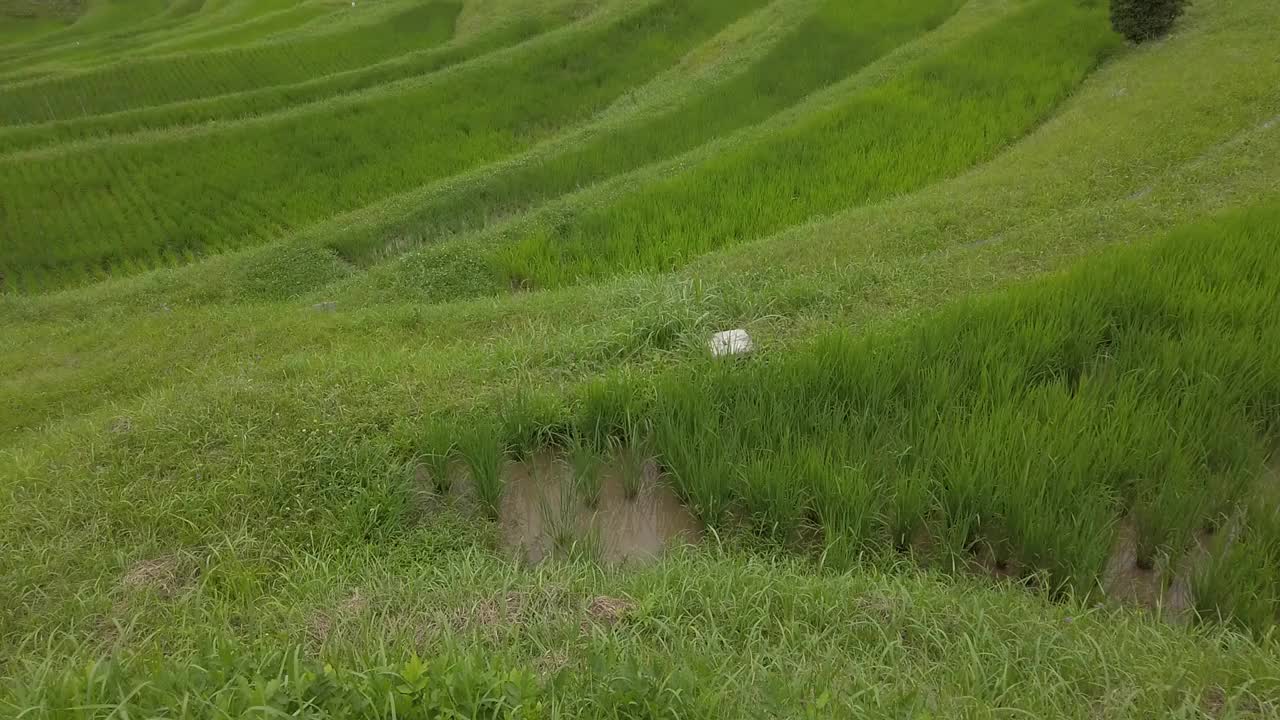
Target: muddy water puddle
620,511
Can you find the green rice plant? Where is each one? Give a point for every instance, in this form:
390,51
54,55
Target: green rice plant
631,454
255,181
695,455
558,509
484,451
1173,504
631,462
255,22
586,468
609,409
1240,583
952,111
1123,389
909,503
106,32
775,497
847,500
436,452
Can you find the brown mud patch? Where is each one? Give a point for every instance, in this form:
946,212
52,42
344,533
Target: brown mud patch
1165,588
609,611
987,562
321,624
1126,581
547,511
163,576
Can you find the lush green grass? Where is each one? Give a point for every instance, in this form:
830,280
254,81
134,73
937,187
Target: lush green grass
952,112
1141,386
75,215
171,79
279,97
210,490
104,29
112,31
723,634
836,40
269,23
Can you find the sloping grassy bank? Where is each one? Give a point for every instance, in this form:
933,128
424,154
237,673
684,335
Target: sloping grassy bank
190,545
1139,388
703,635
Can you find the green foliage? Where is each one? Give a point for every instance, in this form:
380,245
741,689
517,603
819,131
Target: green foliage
953,111
194,459
1240,583
218,190
718,634
1143,20
222,105
1032,422
484,451
286,272
634,692
837,40
586,467
237,682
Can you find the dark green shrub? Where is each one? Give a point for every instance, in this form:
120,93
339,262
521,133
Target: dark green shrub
1142,20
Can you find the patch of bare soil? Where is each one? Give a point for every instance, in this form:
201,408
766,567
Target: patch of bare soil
546,512
430,494
608,611
321,623
1164,589
988,563
1124,580
161,576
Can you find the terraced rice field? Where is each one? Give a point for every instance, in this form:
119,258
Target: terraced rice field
354,359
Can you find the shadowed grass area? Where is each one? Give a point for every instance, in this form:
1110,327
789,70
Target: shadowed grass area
952,112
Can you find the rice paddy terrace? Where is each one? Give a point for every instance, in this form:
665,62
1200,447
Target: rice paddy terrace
353,359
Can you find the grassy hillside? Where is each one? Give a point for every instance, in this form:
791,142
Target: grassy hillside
273,355
227,188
